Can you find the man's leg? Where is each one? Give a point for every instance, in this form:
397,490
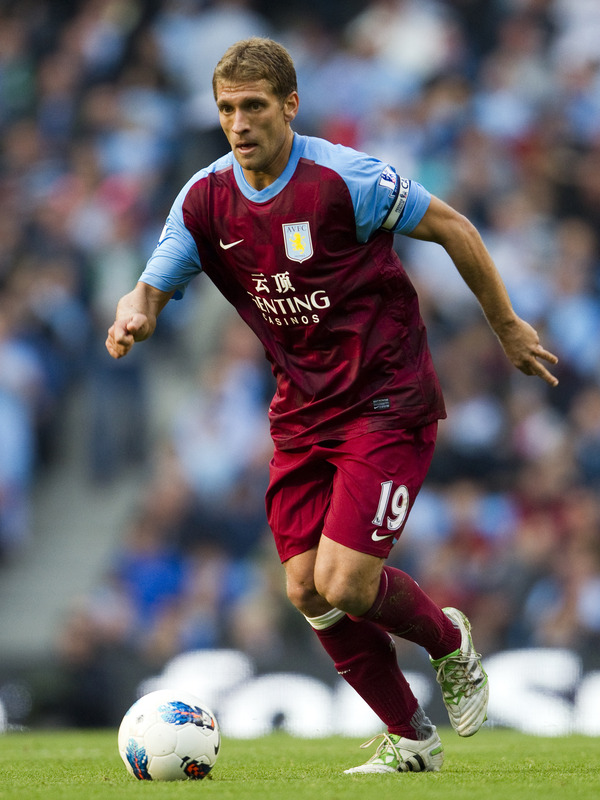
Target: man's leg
400,606
300,500
363,654
367,590
377,478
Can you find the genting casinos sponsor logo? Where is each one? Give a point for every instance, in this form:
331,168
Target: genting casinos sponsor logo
277,300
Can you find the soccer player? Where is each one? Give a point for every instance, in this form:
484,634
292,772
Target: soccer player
297,234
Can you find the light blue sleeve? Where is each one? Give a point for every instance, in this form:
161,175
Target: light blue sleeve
175,260
381,198
384,200
412,212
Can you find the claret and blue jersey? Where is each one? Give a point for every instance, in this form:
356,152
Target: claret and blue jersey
374,190
309,264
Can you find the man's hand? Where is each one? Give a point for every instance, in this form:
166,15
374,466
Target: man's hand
123,333
135,319
522,346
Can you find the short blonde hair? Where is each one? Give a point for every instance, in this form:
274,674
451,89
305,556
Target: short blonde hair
257,59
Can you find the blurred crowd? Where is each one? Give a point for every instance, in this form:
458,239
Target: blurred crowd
106,110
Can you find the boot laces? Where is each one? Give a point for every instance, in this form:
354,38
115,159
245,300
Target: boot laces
386,742
454,675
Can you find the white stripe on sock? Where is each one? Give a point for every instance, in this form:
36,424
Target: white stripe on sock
326,620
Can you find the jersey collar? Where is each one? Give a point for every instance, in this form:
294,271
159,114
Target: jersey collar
264,195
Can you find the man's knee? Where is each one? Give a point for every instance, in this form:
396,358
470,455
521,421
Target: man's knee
345,594
333,577
301,594
301,589
346,579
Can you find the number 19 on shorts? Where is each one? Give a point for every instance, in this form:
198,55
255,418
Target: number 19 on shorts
397,503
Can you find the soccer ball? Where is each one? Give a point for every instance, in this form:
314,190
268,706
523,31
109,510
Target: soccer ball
169,736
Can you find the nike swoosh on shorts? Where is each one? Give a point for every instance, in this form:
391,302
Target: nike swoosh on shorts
377,538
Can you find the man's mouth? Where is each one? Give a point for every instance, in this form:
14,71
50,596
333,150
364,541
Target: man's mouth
245,147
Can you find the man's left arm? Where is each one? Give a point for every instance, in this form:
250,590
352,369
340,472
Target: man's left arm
461,240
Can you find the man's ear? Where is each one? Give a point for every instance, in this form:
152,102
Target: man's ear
290,106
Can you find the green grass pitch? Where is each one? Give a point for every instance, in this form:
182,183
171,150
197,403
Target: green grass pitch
494,765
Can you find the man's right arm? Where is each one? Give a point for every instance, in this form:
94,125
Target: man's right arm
135,318
461,240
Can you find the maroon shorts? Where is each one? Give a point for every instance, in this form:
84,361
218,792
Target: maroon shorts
358,493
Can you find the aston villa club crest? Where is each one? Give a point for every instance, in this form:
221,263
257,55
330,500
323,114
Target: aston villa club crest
298,242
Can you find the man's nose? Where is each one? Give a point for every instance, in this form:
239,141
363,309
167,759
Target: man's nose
240,121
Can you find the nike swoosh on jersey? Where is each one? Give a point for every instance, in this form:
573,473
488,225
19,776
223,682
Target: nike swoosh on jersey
378,538
232,244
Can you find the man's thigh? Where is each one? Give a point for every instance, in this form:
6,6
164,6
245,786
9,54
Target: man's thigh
357,493
298,497
377,479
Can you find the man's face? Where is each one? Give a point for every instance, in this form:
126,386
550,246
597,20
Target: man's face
257,125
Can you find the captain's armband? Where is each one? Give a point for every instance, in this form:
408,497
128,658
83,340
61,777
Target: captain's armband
398,204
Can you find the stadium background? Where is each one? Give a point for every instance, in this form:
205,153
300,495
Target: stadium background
131,512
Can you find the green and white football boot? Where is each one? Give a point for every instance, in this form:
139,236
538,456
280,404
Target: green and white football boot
398,754
463,680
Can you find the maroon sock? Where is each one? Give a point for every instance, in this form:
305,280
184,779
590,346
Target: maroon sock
365,656
402,608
